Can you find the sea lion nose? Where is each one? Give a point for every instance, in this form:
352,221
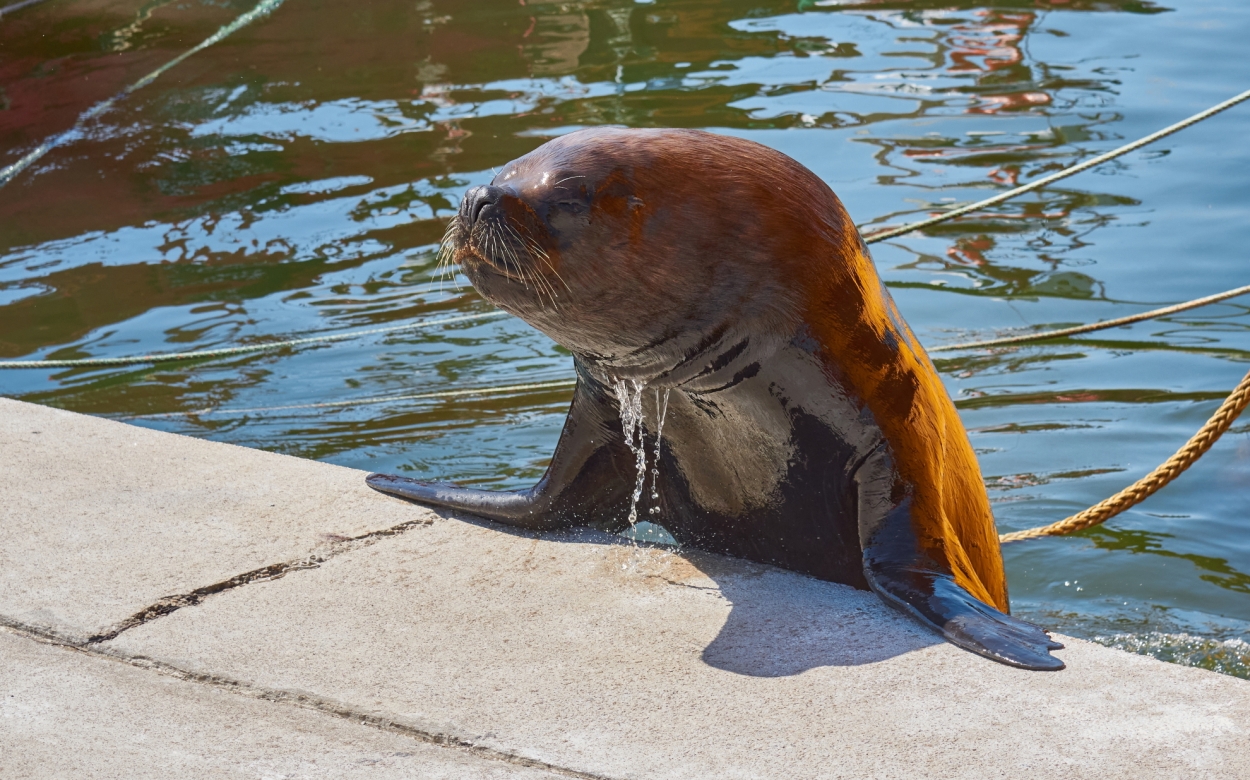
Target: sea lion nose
478,199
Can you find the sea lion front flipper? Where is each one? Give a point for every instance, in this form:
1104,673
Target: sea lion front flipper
521,508
587,482
937,601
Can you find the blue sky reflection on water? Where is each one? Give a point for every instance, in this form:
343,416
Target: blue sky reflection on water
295,179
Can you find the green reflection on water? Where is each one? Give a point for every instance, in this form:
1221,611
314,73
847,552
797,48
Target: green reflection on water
1146,542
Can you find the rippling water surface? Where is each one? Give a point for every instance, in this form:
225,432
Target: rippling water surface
294,179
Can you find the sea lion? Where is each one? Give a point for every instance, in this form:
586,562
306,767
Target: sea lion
803,424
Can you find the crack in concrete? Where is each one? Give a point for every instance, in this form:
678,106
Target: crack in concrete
338,545
429,733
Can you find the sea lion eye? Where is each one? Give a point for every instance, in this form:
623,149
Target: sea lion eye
569,205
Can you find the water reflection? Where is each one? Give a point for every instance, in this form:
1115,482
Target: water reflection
1218,571
295,179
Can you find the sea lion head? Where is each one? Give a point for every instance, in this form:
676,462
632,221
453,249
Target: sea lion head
640,250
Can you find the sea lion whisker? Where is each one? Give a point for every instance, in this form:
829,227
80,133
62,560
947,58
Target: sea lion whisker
446,253
512,229
513,232
547,263
482,247
541,286
446,245
507,253
551,293
536,252
518,241
447,249
497,252
534,248
528,276
522,232
512,246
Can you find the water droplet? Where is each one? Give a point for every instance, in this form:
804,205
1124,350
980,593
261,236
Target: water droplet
661,404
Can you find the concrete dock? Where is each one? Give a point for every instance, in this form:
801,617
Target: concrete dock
171,607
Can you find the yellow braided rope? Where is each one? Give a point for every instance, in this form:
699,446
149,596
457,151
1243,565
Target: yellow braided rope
1145,487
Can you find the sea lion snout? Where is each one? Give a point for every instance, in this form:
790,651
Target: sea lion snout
501,248
476,201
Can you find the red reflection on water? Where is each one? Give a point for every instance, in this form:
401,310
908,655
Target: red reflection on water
990,45
993,40
971,251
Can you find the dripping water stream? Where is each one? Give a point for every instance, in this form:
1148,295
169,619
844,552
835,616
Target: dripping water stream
629,396
661,405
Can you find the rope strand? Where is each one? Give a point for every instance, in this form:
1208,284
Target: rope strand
11,7
8,172
1148,485
1105,324
1060,175
169,357
466,393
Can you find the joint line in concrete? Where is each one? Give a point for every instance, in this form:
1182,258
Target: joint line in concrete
430,734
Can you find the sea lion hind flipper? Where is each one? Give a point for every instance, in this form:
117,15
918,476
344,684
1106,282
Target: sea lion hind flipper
585,483
941,604
988,632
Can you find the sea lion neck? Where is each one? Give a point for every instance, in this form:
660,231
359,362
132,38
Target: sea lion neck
695,359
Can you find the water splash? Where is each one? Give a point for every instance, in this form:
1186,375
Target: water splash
1230,656
629,395
661,404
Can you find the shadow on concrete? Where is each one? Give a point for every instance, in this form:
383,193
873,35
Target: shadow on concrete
781,623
